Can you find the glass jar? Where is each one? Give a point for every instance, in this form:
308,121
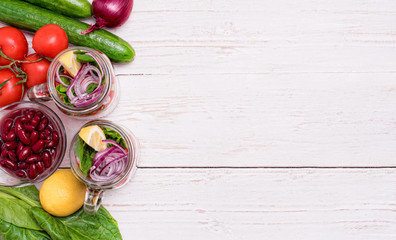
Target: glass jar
95,189
16,112
102,106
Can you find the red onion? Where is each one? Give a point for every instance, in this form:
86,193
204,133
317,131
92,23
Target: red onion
110,13
109,163
86,75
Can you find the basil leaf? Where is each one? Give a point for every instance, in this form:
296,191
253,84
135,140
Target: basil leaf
79,225
91,87
10,231
62,93
115,136
17,212
86,155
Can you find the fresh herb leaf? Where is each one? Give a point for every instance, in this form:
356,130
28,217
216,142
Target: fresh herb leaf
85,58
65,80
91,87
86,155
62,93
115,136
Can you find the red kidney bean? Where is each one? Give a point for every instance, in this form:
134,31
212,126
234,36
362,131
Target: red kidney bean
42,136
52,152
43,124
7,126
32,171
35,121
10,164
18,126
46,159
26,151
19,148
10,145
22,165
11,135
30,115
12,156
49,144
33,158
4,136
29,127
55,137
39,114
50,126
40,167
4,153
34,137
38,146
48,132
23,137
24,119
2,163
21,174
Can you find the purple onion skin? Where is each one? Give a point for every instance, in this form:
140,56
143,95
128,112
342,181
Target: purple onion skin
110,13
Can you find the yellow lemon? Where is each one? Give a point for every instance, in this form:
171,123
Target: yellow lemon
69,61
62,193
93,136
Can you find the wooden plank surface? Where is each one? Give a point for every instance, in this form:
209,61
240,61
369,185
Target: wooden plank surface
247,85
257,204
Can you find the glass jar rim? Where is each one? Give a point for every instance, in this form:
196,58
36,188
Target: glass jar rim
107,68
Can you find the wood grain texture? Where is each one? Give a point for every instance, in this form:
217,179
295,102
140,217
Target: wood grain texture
256,204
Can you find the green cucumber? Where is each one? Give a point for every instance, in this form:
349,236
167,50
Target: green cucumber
71,8
30,17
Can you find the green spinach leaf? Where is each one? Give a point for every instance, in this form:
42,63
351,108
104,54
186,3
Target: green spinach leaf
79,225
29,194
12,232
17,212
113,135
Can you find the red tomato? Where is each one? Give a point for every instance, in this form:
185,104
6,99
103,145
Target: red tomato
36,71
13,44
50,40
9,93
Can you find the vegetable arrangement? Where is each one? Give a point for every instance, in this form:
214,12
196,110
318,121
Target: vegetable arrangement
22,217
17,69
79,83
31,17
110,13
102,153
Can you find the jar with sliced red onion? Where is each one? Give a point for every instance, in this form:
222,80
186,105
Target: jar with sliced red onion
103,165
82,83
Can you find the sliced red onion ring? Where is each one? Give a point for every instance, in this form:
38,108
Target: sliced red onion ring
77,89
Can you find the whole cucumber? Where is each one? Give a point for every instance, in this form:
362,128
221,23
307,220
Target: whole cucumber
27,16
71,8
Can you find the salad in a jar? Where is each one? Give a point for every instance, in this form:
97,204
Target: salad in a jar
101,152
80,79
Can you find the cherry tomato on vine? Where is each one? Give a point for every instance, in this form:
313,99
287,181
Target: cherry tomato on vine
36,71
50,40
9,93
13,44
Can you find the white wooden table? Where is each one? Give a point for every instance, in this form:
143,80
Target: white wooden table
259,120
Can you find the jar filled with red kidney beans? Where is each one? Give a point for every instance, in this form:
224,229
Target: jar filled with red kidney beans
33,141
